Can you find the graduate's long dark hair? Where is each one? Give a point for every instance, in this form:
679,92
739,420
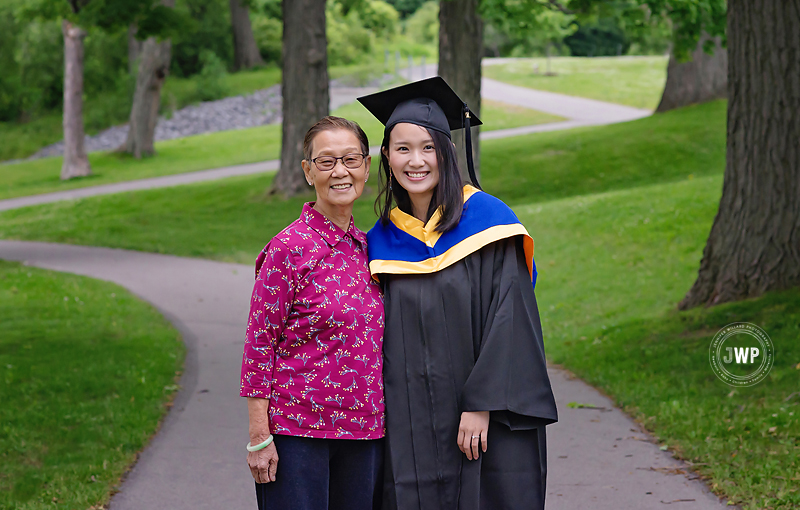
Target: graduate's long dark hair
449,192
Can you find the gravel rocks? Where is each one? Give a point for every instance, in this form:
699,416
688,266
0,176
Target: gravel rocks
238,112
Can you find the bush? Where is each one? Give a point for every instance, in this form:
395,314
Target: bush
423,25
210,83
380,17
209,28
601,39
348,40
268,33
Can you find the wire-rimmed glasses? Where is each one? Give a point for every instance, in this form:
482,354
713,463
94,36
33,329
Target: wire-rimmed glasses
326,163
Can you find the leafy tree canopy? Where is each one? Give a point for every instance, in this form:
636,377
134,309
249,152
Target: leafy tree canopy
150,16
690,18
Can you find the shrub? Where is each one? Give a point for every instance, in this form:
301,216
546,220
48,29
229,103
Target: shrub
348,40
268,33
423,25
380,17
601,39
211,80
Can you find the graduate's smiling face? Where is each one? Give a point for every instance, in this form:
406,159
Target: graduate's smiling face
412,159
341,185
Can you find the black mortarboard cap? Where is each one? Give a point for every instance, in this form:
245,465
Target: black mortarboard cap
429,103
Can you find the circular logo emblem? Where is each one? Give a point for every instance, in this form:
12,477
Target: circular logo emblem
741,354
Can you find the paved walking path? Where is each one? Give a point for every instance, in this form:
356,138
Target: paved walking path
599,459
579,112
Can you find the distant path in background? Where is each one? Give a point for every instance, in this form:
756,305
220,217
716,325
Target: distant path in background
580,111
598,458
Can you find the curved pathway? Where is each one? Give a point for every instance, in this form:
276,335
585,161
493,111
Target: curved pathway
598,458
579,111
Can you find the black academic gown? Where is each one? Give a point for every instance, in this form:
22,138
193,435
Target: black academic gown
466,338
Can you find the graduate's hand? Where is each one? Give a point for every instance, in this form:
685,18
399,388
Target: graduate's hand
263,464
473,433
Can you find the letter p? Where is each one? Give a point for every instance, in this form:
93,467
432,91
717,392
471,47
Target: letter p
753,354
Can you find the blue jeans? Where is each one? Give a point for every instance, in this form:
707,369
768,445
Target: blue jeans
324,474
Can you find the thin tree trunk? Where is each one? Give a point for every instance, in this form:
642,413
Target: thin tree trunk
134,48
76,164
703,78
304,86
460,51
754,244
245,50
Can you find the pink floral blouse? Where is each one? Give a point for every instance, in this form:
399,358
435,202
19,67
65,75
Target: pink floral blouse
315,334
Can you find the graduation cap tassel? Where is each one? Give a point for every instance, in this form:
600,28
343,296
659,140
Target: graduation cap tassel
468,144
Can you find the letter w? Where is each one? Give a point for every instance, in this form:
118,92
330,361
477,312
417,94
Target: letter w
741,354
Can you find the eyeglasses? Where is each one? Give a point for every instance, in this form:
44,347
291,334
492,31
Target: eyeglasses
326,163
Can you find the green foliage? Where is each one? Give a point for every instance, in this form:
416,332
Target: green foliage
210,82
348,40
517,30
86,369
689,18
207,29
423,25
40,63
602,39
380,18
268,33
407,7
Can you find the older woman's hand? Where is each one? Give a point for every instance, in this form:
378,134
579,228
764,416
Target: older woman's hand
263,464
473,433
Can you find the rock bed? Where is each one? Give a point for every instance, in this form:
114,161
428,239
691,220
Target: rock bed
238,112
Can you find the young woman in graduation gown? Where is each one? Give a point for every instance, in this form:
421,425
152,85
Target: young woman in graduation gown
466,386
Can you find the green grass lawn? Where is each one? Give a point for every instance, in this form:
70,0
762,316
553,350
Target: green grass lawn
632,81
620,215
237,217
86,373
210,150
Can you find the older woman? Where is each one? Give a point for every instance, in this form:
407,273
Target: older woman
312,362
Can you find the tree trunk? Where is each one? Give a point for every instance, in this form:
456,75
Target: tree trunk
460,51
134,48
754,244
76,164
245,50
304,86
704,78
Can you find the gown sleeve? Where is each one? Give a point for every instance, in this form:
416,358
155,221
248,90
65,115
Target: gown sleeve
509,377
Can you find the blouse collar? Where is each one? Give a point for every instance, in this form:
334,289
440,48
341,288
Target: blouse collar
331,233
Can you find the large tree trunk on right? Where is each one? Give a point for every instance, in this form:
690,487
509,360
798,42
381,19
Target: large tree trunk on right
754,244
460,51
76,164
704,78
304,86
245,50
